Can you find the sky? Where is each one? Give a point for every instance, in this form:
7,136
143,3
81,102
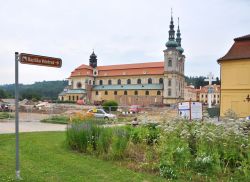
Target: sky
119,31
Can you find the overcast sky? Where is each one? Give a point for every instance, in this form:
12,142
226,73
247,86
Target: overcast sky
120,31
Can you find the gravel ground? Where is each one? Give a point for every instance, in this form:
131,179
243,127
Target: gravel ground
29,123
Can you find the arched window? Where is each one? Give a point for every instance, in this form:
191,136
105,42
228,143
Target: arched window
161,81
128,81
96,93
169,82
79,85
136,92
139,81
169,92
100,82
93,82
106,92
69,98
125,92
158,92
89,82
119,82
77,97
170,63
73,98
146,92
115,92
150,81
110,82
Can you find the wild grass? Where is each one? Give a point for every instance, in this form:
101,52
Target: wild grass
177,150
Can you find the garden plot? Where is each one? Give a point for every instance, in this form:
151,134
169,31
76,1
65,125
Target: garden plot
176,149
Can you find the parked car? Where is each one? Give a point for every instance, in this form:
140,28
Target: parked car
100,113
5,108
135,108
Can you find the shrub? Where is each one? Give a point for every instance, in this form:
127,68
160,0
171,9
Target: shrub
110,105
213,112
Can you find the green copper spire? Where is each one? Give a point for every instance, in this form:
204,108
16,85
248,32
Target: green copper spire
171,39
178,39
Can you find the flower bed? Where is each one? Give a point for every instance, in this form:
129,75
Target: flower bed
177,149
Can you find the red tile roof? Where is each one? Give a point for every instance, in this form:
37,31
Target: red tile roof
239,50
150,68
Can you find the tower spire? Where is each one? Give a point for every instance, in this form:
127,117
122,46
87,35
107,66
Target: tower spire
171,39
178,39
178,35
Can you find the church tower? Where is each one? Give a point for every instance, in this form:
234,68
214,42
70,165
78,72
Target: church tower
173,67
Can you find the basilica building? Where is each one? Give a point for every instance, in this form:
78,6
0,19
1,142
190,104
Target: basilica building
149,83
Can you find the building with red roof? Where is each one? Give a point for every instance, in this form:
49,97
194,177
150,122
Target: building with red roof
235,78
146,83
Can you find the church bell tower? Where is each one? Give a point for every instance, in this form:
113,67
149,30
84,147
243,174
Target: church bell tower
173,67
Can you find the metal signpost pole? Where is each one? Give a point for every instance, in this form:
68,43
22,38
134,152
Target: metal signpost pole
18,177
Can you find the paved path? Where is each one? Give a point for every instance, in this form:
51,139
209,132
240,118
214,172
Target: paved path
29,126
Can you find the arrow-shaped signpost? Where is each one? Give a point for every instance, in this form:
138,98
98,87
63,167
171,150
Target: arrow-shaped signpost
34,60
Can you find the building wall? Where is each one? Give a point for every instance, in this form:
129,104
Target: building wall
190,93
173,76
144,79
70,97
130,98
235,86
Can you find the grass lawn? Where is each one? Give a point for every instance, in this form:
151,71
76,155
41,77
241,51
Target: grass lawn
45,157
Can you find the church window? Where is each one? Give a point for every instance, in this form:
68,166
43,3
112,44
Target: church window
96,93
170,63
169,92
100,82
69,98
115,92
93,82
150,81
110,82
158,92
106,92
169,82
77,97
136,92
161,81
89,82
79,85
73,98
119,82
125,92
139,81
146,92
128,81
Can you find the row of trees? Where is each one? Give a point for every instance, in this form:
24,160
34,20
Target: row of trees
199,81
37,91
